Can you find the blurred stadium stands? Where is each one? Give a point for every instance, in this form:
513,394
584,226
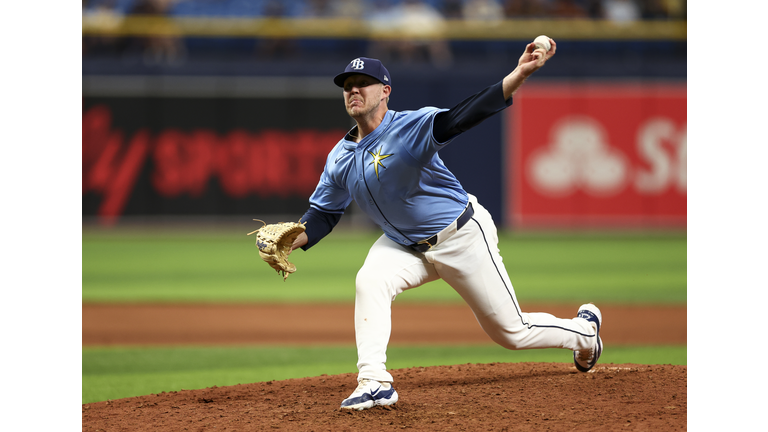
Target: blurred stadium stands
596,9
129,36
141,57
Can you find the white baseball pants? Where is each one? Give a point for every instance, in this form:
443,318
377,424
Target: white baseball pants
469,261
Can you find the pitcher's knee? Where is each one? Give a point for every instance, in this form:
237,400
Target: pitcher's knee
506,340
511,337
368,283
366,278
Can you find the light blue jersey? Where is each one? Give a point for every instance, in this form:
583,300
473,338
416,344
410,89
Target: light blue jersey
395,176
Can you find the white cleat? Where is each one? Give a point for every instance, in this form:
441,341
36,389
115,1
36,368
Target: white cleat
370,393
586,359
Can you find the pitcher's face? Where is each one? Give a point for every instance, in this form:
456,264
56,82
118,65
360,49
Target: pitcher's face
362,95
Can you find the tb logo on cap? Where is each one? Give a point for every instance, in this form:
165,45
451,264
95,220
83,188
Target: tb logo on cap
357,64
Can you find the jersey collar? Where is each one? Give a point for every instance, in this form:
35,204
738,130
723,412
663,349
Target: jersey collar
349,144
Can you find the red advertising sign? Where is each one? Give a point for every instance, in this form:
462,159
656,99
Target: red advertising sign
200,168
597,156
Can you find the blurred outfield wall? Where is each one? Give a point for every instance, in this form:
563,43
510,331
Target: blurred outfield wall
596,138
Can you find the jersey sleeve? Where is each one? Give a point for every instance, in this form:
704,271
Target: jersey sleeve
326,206
329,197
318,225
469,113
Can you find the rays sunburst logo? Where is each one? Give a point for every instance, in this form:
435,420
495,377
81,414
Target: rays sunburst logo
377,158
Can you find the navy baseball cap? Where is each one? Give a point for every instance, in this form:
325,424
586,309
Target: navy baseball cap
365,66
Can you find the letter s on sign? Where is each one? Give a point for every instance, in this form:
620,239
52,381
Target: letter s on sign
682,161
651,138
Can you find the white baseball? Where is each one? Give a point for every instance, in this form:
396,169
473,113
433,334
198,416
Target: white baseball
542,42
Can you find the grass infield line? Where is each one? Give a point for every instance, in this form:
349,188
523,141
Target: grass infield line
120,372
120,267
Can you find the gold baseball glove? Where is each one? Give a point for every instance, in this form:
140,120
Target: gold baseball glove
274,242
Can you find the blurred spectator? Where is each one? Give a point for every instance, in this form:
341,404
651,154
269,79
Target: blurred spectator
594,8
451,9
567,9
419,28
676,9
105,14
275,47
653,9
319,8
350,8
333,8
621,11
159,49
526,8
482,10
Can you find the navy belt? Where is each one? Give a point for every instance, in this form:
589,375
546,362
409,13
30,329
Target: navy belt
427,244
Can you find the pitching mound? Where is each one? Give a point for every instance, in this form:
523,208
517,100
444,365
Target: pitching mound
471,397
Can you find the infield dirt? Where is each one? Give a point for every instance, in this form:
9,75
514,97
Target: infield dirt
470,397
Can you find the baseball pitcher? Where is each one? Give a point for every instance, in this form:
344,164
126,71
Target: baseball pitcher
389,164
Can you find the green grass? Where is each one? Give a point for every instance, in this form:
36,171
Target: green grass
114,373
225,267
203,266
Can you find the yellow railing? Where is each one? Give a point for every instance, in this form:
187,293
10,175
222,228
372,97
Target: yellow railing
565,29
